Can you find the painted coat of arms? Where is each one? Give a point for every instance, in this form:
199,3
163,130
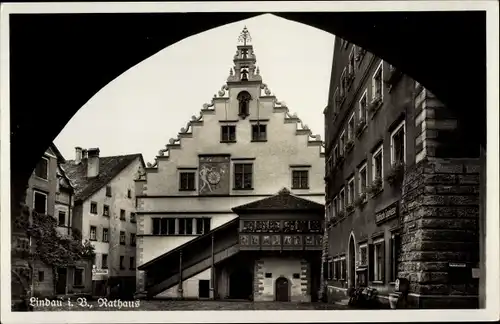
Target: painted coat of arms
214,175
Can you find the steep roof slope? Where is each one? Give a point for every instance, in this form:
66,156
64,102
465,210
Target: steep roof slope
109,167
283,201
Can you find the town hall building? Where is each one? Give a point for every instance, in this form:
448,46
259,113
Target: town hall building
233,208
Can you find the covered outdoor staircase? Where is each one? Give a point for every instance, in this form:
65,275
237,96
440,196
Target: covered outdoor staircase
191,258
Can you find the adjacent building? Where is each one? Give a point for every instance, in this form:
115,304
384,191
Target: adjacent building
104,212
401,202
50,192
233,207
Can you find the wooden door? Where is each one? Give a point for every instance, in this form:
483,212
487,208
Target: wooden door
282,289
61,281
204,288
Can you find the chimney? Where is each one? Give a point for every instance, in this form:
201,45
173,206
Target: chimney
78,155
84,154
93,162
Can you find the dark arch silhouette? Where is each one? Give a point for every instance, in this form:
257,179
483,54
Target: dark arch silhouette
241,284
282,289
352,262
59,61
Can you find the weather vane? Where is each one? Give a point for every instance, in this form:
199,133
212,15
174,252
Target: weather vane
245,36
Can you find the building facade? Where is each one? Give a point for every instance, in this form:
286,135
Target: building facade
399,202
50,192
215,216
104,213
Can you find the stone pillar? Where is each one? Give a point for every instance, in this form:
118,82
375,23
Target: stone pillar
305,281
212,272
439,218
258,280
180,293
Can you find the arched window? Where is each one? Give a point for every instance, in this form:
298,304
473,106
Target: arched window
244,101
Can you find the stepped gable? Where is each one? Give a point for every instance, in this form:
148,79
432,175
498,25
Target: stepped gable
283,201
244,70
109,167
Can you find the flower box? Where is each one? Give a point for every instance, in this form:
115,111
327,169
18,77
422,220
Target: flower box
340,214
396,174
349,208
375,187
360,127
349,145
360,200
375,104
339,160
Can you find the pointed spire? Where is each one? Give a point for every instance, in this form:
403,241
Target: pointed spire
245,37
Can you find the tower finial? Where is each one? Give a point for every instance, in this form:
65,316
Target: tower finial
244,36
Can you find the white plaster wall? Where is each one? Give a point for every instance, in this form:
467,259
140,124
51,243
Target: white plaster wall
281,267
190,287
119,200
154,246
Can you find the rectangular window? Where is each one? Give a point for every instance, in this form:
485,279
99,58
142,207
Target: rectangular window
40,202
341,200
93,233
108,191
122,214
350,191
171,226
202,225
335,153
186,181
104,264
351,61
129,193
330,269
228,133
132,263
122,258
105,210
343,83
105,235
377,164
62,218
377,84
132,239
379,260
156,226
132,218
93,207
259,133
362,179
164,222
300,179
363,103
78,277
398,141
41,276
336,101
42,169
343,268
268,275
122,237
206,225
350,129
363,255
186,226
243,176
342,143
335,207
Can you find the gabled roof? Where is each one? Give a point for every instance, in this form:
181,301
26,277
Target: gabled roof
60,157
109,167
283,201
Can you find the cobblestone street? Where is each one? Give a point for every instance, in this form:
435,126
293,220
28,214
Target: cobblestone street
166,305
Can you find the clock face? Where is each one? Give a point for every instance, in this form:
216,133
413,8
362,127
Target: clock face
213,177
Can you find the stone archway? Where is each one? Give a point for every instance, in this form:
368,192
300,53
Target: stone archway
282,289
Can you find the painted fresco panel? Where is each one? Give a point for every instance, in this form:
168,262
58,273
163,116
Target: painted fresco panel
214,175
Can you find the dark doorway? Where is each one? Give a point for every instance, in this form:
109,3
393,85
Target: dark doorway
282,289
352,262
204,288
62,275
240,284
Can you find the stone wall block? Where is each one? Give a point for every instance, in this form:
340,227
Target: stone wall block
446,166
435,256
439,223
427,277
432,289
439,235
445,179
465,190
468,179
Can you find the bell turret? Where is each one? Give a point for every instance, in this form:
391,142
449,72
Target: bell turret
244,60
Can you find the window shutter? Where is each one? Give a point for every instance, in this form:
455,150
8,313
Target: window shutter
371,263
392,259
